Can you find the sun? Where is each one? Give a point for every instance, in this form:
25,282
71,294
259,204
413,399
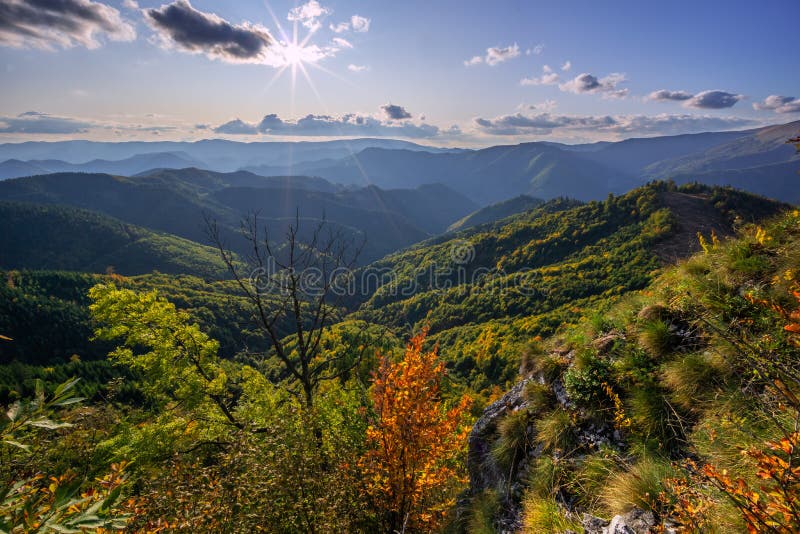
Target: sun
293,54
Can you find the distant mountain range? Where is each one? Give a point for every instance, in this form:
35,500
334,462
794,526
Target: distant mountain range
212,154
757,160
176,202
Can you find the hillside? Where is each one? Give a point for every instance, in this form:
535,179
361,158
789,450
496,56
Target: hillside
484,289
486,176
63,238
495,212
661,411
176,202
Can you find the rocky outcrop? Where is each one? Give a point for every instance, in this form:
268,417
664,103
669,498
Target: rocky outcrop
636,521
484,472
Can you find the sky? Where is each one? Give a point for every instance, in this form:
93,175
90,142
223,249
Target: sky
439,72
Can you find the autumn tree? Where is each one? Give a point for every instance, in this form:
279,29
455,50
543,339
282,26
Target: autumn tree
411,466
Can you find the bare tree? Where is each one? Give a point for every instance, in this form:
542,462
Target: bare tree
297,283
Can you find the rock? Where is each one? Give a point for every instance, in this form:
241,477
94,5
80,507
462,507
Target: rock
603,344
636,521
593,525
654,312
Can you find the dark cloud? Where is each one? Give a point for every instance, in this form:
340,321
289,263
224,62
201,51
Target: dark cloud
713,100
662,95
236,127
779,104
183,26
33,122
547,123
395,112
588,83
60,23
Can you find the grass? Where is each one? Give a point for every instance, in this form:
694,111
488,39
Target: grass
693,378
554,430
481,513
545,515
656,337
641,486
546,476
539,396
512,439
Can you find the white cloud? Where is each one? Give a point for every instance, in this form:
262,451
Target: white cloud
566,66
474,60
548,77
359,23
357,68
308,14
495,55
342,43
536,50
779,104
340,28
546,123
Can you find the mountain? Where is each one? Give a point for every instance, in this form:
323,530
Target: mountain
64,238
495,212
530,273
603,414
486,176
177,202
14,168
214,154
586,172
765,146
761,162
126,167
632,156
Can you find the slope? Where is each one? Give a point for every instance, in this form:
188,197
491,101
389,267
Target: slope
483,289
495,212
64,238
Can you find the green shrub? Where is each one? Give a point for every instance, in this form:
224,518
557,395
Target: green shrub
584,380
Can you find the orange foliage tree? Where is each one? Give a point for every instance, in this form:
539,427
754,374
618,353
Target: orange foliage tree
412,464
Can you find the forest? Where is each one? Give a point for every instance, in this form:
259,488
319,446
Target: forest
170,403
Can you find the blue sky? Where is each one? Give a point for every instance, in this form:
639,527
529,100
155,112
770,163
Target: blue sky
465,73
